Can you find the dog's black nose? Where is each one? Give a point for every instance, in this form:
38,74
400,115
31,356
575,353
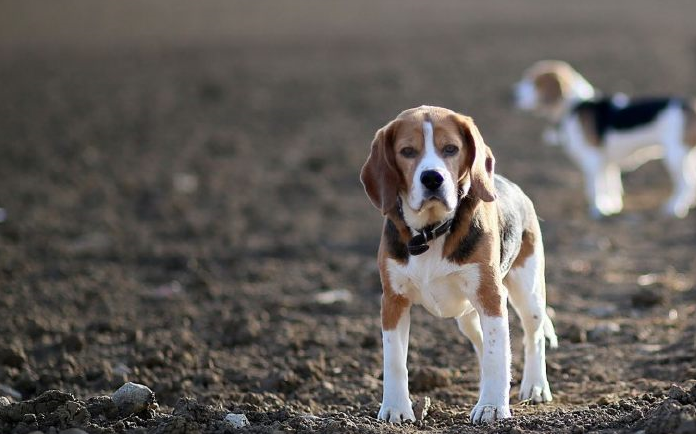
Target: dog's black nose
431,179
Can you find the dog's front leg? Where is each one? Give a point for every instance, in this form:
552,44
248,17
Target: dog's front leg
494,398
396,321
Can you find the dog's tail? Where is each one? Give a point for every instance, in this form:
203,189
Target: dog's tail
550,332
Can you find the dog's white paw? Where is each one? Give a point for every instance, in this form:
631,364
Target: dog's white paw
485,413
398,413
535,392
674,208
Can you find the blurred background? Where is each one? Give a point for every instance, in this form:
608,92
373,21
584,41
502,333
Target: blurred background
182,206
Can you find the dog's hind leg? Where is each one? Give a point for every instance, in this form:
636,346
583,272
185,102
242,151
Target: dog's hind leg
470,326
527,292
680,161
612,174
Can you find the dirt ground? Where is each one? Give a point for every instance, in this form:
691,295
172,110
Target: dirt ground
181,209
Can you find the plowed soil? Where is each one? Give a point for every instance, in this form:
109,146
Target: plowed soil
181,209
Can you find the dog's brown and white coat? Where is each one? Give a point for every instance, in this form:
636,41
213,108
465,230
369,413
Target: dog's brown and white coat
458,240
605,135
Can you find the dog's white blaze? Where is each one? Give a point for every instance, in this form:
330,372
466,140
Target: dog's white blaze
441,286
430,161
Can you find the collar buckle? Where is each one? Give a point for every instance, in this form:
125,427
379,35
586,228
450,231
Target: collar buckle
419,243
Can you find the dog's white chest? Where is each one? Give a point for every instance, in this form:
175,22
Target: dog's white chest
442,287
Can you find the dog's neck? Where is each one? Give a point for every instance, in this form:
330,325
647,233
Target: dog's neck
417,239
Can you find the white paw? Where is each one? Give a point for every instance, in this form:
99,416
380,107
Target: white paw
598,212
485,413
396,413
676,209
535,392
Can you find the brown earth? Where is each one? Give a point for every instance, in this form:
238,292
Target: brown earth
177,197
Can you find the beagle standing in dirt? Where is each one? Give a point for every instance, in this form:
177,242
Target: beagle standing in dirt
458,240
605,135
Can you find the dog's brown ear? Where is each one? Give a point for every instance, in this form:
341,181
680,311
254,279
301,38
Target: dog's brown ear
379,175
552,86
479,162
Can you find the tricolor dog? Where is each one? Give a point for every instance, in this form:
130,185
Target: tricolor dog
607,134
459,241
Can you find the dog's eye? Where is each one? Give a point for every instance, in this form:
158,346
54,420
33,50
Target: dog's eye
408,152
450,150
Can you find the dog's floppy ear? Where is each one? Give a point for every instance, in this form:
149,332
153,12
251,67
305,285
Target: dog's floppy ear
479,162
379,175
552,86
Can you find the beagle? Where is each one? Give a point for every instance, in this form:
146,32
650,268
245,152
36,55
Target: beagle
458,240
607,134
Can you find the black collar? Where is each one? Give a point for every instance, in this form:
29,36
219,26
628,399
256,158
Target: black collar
419,243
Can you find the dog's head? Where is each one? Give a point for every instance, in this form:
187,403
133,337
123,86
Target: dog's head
429,157
548,86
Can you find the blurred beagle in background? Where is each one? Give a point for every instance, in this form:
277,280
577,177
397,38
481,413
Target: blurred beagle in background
607,134
459,241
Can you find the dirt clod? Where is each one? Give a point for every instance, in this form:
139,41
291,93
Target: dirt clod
421,407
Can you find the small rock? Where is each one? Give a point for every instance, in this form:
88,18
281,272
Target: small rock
4,401
133,398
647,297
421,407
73,431
237,420
603,331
